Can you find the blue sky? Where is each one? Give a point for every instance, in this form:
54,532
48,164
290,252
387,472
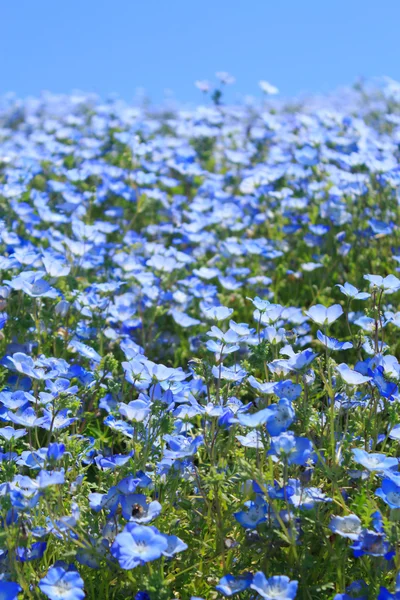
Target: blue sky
107,46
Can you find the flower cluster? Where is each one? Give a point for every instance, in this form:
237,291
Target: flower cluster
199,375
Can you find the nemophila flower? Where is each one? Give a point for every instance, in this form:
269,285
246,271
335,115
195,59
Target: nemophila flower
372,543
261,305
308,267
183,319
264,388
26,417
55,265
389,492
165,375
356,590
394,433
255,419
332,343
375,462
281,418
384,594
229,585
122,493
174,545
181,446
235,374
352,292
134,507
300,361
220,349
305,497
112,461
84,350
33,284
269,315
387,389
137,410
57,421
62,308
183,228
296,450
3,319
252,439
8,433
61,583
348,526
274,336
217,313
119,425
142,596
9,590
137,373
388,284
33,552
324,316
255,513
287,389
350,376
277,587
295,363
24,364
138,544
55,452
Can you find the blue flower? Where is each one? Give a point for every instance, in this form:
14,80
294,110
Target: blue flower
387,389
384,594
8,433
281,418
255,419
217,313
348,526
296,450
55,451
305,497
324,316
255,514
389,492
374,461
34,552
372,543
9,590
358,590
174,546
230,585
136,410
62,583
287,389
332,343
352,292
138,544
135,508
277,587
387,284
350,376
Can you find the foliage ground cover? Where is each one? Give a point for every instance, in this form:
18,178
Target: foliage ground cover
199,382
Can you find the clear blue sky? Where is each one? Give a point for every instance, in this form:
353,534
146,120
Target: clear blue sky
118,46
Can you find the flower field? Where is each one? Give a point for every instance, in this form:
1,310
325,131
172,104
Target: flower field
199,376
